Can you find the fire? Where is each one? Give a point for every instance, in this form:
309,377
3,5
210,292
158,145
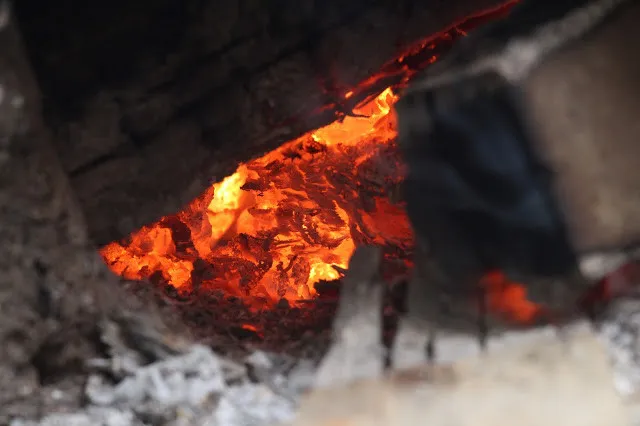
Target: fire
509,299
283,222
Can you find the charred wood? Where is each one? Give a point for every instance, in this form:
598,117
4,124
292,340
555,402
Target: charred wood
55,291
357,351
156,100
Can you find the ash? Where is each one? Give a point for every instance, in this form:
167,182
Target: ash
193,387
619,330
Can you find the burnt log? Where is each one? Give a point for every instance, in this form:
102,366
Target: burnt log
55,291
356,351
152,101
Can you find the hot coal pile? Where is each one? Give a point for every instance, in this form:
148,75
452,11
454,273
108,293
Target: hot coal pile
263,250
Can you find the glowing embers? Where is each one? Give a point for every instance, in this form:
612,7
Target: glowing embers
292,218
508,299
284,221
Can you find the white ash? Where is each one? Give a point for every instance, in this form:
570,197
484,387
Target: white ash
193,388
598,265
253,404
183,380
198,387
620,332
91,416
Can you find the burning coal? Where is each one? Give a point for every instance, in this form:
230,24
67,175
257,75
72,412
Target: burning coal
283,222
